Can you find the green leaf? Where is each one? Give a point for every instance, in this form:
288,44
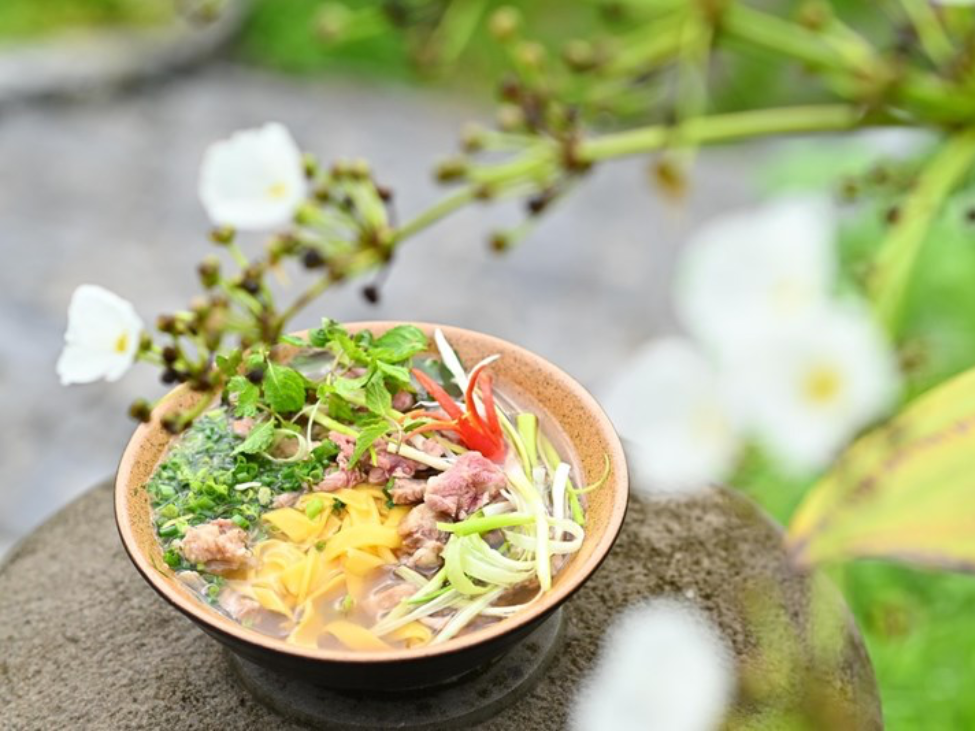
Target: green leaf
284,388
378,399
258,440
395,373
294,340
400,343
247,396
905,491
228,364
367,437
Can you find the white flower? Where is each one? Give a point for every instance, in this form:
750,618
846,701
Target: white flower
745,272
102,337
254,180
668,405
663,668
807,389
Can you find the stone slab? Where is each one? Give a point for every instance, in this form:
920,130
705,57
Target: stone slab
86,644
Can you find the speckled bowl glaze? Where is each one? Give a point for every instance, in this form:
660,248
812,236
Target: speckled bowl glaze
534,383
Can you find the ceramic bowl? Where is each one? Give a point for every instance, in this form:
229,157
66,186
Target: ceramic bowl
534,383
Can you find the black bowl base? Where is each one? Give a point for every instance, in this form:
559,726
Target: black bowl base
473,698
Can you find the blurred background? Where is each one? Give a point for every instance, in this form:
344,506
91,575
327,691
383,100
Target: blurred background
106,107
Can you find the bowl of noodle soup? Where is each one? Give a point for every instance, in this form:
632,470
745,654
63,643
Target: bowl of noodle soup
317,559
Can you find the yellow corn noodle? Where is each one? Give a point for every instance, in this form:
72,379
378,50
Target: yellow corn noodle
309,564
354,636
413,634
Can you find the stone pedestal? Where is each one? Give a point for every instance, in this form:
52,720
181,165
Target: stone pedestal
86,644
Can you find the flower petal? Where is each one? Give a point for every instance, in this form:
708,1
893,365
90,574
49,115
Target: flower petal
254,180
102,337
669,406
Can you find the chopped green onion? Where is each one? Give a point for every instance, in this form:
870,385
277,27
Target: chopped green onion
314,508
528,431
485,524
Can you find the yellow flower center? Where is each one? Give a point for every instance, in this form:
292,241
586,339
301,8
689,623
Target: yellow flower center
122,344
822,385
277,190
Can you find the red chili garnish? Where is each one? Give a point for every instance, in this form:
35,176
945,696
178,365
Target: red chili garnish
484,436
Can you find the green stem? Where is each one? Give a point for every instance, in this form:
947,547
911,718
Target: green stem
432,215
934,40
898,253
303,300
724,128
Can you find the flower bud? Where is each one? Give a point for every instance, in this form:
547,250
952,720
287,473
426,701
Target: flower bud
510,117
531,54
255,375
209,271
579,55
472,138
170,355
140,410
172,423
500,242
223,235
453,168
167,324
310,164
504,23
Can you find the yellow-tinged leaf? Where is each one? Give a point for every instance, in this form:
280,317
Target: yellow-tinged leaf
354,636
905,491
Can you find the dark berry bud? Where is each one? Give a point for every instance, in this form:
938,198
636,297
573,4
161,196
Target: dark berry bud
255,375
250,285
140,410
371,294
170,355
538,203
312,259
385,193
893,215
169,376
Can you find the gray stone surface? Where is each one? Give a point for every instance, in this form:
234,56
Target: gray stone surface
96,62
106,193
88,645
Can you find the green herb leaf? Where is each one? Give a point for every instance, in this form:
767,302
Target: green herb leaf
395,373
294,340
284,388
247,396
400,343
378,399
228,364
258,440
367,437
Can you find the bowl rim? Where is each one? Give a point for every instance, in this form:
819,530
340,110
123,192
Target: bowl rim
214,621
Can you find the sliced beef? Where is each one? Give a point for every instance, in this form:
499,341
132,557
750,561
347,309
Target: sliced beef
219,545
340,479
407,491
402,400
286,500
242,427
238,606
387,465
384,599
422,540
470,484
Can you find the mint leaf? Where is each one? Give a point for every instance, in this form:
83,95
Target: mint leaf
228,364
395,372
400,343
367,437
378,400
284,388
258,440
247,396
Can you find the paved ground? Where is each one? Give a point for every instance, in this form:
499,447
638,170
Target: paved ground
104,192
